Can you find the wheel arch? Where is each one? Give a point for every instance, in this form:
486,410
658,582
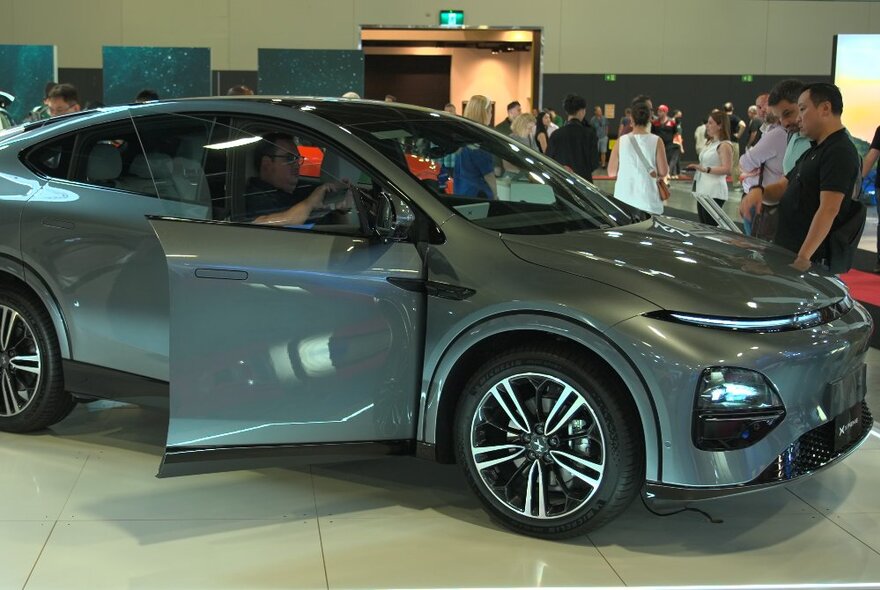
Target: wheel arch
480,342
16,276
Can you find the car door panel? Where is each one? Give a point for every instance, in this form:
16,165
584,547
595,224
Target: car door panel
285,337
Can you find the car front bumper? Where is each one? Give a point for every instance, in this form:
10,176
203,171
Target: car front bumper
806,368
811,453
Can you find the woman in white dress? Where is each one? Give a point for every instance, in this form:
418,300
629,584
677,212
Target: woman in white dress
637,174
715,164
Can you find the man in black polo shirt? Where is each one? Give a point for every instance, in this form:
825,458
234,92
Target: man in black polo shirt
575,145
273,197
814,198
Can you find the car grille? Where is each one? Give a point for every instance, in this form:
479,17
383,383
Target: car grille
812,451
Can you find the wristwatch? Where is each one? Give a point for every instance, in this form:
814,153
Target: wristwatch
708,170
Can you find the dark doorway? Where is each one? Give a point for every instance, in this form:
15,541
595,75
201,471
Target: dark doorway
422,80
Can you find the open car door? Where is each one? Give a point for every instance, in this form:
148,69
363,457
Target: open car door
282,340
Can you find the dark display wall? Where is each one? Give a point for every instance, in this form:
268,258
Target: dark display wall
310,72
24,72
172,72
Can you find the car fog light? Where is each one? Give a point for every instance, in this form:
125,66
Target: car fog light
735,408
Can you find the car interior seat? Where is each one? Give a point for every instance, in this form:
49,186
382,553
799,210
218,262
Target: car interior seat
144,170
104,165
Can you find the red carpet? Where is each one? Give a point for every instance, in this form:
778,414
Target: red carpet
864,286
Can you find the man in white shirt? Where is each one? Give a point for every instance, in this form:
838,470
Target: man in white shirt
763,165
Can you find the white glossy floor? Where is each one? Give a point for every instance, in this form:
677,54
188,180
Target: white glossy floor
80,508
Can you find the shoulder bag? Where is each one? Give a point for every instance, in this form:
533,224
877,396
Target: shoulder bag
662,187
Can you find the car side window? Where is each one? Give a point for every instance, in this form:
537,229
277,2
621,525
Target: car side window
184,157
288,178
53,158
111,157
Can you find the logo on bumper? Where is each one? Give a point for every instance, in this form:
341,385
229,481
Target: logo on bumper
847,427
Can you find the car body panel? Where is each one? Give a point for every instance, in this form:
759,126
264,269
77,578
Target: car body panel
17,185
286,337
801,375
96,251
513,291
685,266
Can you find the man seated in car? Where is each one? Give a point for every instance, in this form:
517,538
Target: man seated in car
273,197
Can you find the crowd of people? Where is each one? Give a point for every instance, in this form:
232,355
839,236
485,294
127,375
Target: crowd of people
792,161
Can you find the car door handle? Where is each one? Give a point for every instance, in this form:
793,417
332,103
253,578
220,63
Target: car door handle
433,288
57,223
221,273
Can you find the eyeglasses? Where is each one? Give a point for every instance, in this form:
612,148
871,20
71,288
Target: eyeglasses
290,159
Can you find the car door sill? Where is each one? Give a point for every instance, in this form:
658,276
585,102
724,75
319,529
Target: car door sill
193,460
92,381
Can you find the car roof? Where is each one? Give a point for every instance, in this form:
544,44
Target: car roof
342,111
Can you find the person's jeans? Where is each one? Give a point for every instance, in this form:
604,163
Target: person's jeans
747,223
673,157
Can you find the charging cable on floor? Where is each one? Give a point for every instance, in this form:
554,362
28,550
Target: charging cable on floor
708,516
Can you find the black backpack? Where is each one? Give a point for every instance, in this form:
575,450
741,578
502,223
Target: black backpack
843,239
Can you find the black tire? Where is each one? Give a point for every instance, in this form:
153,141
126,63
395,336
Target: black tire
612,410
49,403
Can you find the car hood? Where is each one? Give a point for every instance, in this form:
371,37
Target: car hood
686,267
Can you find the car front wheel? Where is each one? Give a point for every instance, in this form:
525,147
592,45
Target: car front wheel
552,448
32,395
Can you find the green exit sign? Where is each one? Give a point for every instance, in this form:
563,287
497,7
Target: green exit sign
452,18
611,77
747,78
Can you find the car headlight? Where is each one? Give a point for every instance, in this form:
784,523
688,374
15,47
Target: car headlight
734,409
728,388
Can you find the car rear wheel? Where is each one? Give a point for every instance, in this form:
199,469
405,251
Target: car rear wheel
552,448
32,395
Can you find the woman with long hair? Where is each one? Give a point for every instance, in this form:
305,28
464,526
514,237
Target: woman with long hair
475,167
716,162
542,133
638,160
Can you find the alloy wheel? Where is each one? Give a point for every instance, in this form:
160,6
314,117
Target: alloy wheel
538,446
19,363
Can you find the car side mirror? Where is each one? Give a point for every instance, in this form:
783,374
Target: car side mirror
394,218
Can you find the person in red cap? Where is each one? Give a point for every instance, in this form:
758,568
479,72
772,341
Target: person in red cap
665,127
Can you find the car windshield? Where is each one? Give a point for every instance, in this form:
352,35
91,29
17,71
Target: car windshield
494,181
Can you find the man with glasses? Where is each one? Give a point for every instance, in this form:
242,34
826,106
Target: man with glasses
274,197
63,99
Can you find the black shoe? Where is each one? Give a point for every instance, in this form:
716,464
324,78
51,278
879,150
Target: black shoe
877,267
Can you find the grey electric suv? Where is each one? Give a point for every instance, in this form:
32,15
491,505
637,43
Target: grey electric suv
297,276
